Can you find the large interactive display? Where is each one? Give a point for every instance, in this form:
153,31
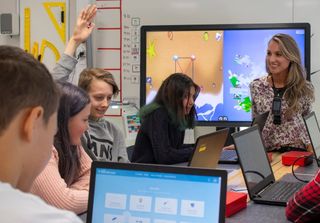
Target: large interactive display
221,59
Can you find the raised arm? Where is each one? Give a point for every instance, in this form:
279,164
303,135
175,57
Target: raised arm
81,33
82,30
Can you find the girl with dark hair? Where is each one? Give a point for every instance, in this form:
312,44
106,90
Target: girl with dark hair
160,138
64,182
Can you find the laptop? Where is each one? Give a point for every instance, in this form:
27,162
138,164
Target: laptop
260,120
256,169
314,134
142,193
230,156
208,149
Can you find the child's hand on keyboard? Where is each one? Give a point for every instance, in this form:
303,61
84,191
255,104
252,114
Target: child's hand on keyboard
230,147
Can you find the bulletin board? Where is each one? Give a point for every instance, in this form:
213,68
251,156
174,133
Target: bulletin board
44,29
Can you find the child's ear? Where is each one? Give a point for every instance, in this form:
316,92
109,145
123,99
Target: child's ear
33,120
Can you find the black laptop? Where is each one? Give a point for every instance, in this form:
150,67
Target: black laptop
124,192
256,169
230,156
314,134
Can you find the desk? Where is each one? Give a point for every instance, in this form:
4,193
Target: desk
258,212
267,213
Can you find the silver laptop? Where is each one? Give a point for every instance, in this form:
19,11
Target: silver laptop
208,149
141,193
256,169
314,134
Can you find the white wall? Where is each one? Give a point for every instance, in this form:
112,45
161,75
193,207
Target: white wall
237,11
9,7
308,11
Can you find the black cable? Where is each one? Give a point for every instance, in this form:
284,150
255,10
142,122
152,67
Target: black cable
255,172
294,162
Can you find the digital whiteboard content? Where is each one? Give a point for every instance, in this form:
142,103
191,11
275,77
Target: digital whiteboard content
221,59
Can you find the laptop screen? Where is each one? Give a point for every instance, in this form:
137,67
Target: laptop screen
152,196
314,133
254,161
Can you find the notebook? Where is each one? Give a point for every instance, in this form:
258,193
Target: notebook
208,149
256,169
314,134
127,192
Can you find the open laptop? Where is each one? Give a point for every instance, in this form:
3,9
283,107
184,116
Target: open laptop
314,134
208,149
127,192
230,156
256,169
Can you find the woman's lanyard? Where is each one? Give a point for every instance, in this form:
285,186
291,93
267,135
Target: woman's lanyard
276,103
278,92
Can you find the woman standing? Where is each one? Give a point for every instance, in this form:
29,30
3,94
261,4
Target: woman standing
285,94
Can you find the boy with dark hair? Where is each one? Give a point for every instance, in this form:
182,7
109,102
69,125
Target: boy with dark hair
28,122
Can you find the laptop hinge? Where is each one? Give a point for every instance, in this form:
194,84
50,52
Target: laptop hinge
261,191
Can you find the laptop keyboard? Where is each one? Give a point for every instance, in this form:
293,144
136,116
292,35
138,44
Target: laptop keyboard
228,155
282,190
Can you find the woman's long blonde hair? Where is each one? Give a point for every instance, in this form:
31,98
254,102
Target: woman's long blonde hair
296,86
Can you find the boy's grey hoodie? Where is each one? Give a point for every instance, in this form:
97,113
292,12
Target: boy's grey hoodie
103,140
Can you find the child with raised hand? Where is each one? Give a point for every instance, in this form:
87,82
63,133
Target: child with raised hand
28,121
64,182
103,140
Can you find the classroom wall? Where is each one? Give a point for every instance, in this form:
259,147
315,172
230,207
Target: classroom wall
134,13
9,7
197,12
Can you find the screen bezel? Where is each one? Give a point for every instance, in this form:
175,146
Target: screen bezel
161,28
160,169
253,191
306,118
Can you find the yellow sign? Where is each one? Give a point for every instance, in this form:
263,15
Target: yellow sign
27,30
46,44
59,24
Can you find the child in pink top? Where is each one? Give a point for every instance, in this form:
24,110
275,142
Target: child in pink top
64,182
